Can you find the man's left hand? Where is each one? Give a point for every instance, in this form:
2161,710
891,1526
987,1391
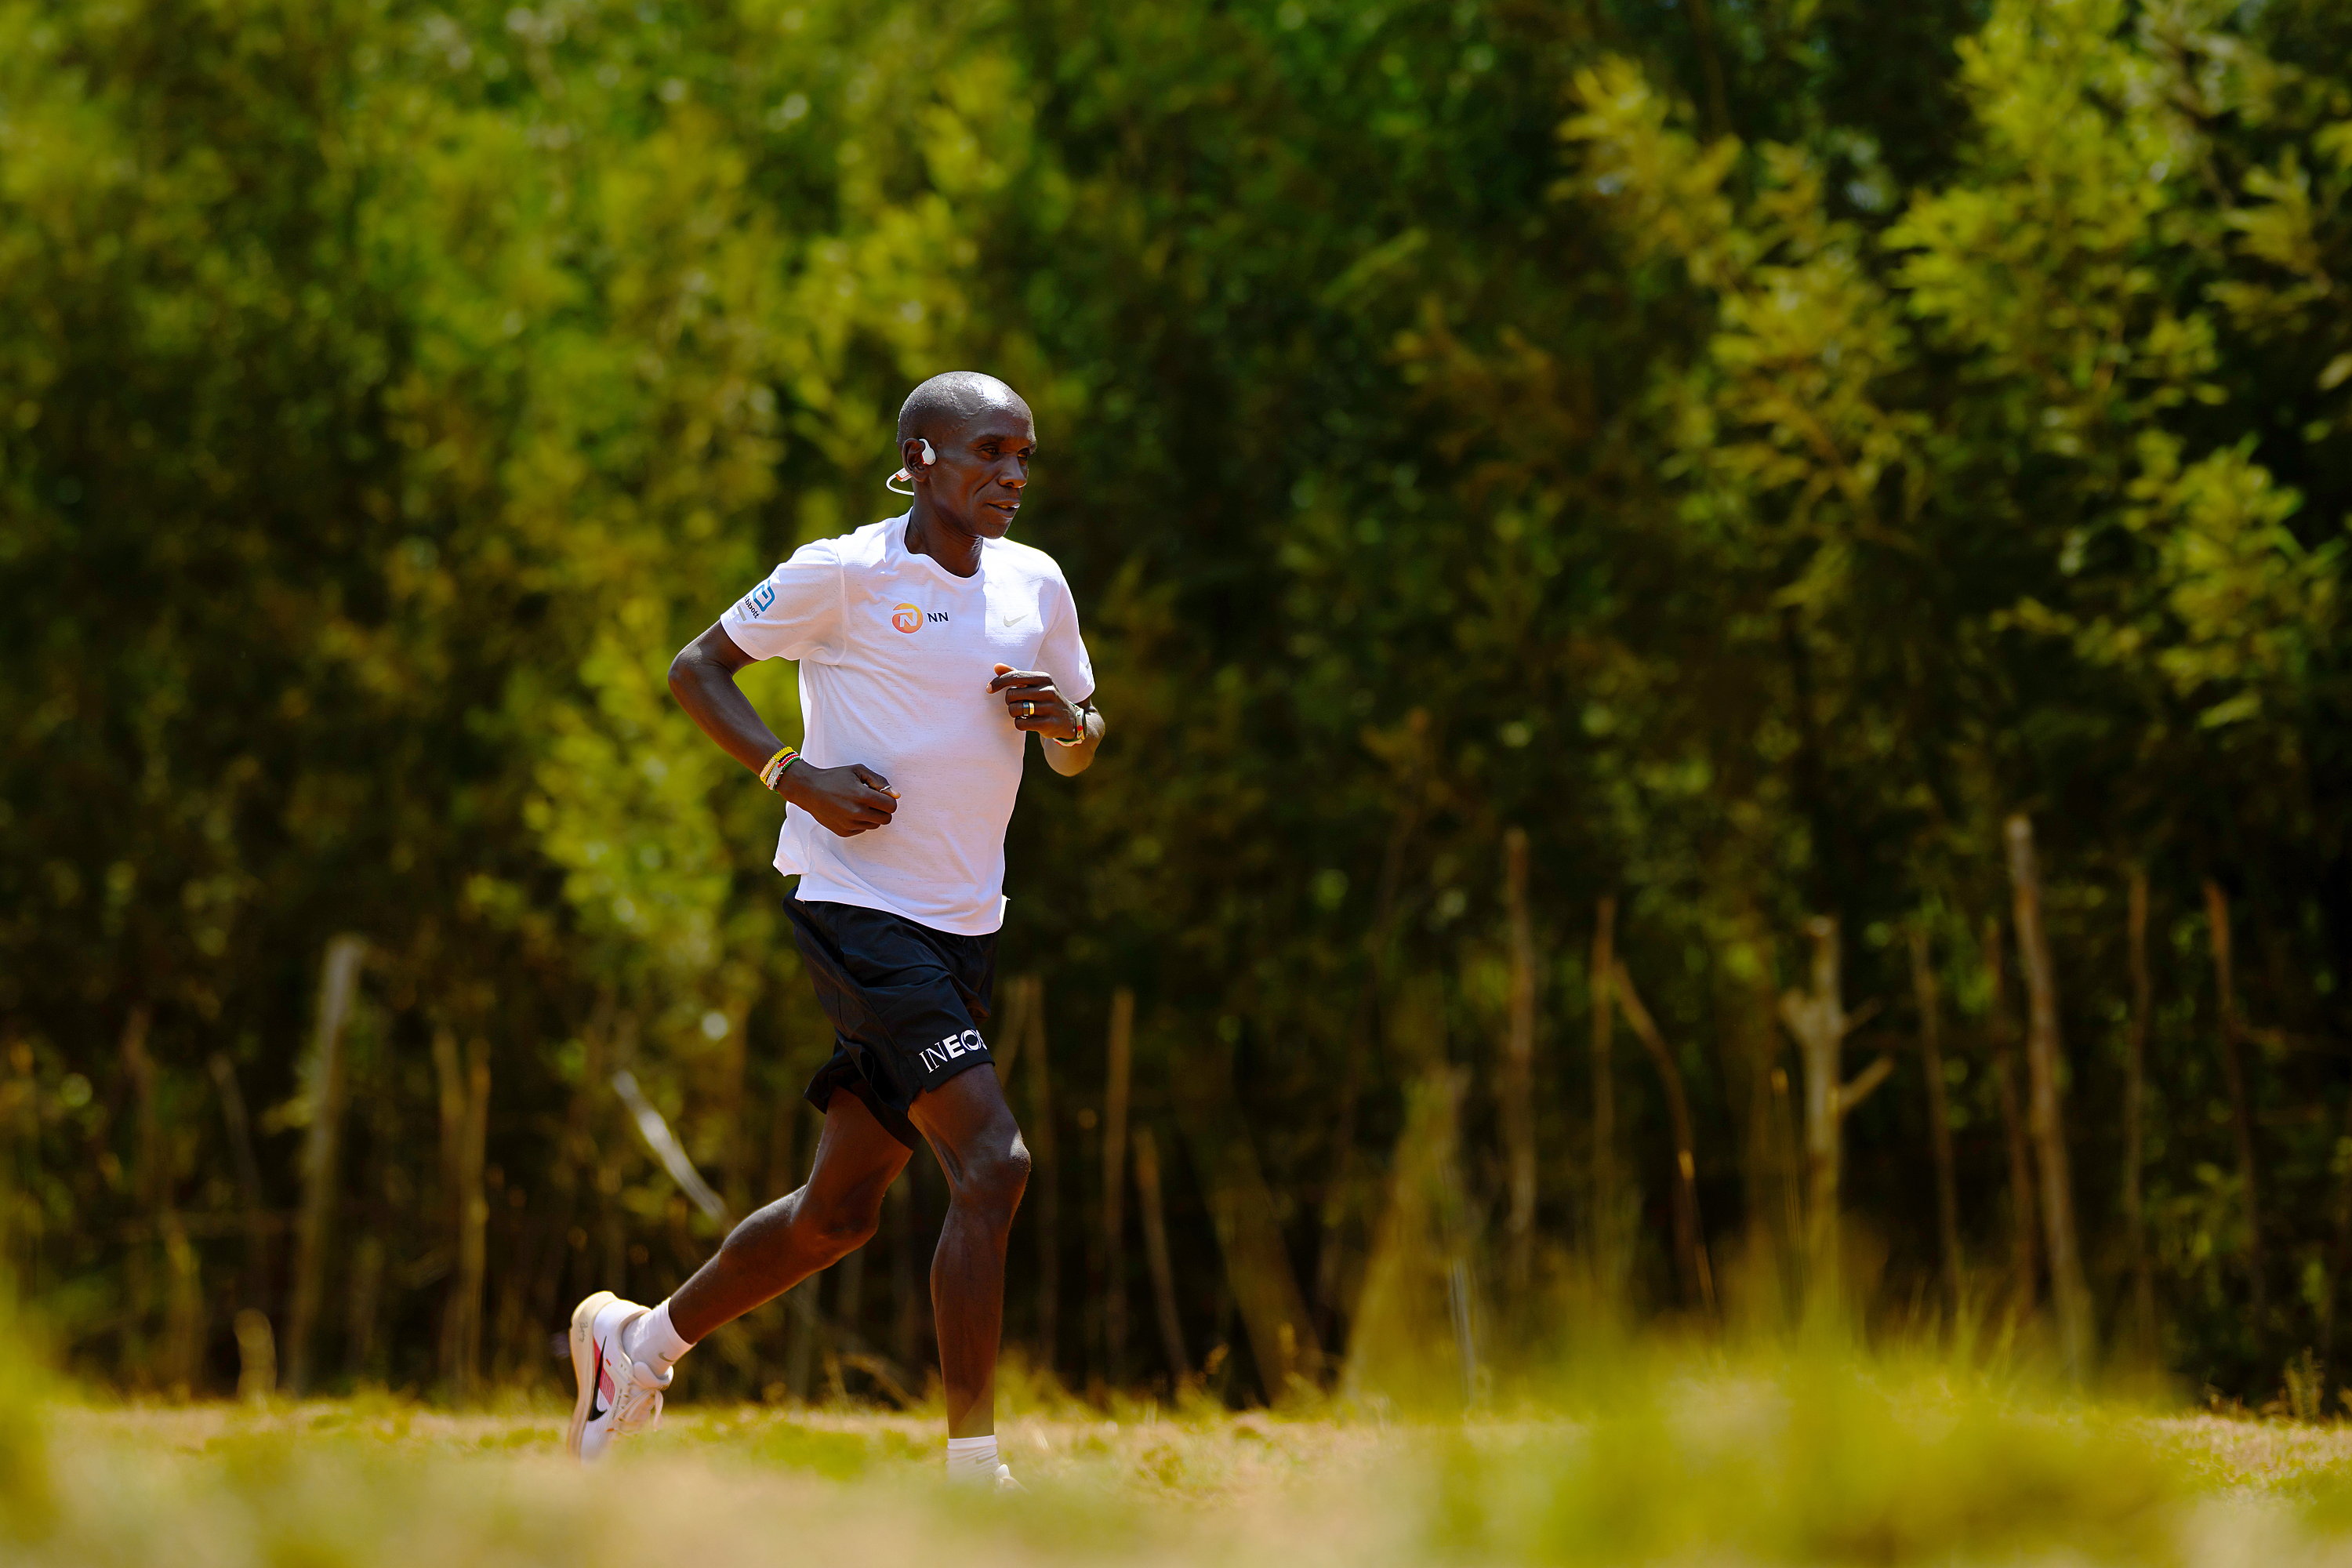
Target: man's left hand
1036,703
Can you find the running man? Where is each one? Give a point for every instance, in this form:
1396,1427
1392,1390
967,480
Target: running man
930,645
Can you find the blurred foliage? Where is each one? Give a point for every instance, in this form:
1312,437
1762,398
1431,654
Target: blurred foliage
1752,449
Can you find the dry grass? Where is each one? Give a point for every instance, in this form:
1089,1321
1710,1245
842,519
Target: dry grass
2257,1458
1781,1463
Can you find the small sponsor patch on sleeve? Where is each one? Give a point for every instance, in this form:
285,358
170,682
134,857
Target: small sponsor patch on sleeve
754,605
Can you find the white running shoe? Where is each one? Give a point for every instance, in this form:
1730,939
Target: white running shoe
1005,1481
620,1397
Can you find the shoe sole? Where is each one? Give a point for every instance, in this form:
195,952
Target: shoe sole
584,1364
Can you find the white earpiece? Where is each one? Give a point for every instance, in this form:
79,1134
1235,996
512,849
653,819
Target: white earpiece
893,482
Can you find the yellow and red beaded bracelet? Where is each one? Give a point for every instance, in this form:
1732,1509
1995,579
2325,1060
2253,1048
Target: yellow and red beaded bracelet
771,775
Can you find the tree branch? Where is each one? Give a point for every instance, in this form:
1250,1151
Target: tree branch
1856,1089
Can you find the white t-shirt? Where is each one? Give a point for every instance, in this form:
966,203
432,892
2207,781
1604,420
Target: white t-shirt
896,653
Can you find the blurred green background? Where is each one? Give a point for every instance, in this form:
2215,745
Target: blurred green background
1723,457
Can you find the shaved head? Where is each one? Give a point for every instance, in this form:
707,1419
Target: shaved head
966,440
939,408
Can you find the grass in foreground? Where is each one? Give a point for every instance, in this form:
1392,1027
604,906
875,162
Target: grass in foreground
1783,1463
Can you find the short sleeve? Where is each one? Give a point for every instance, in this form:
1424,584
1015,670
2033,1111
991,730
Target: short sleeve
794,612
1063,654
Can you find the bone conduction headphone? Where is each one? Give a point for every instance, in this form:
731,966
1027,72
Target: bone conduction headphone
891,484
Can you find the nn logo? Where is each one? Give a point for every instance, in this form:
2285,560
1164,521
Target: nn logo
913,617
967,1043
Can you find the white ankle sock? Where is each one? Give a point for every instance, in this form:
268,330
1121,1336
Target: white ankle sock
971,1458
654,1339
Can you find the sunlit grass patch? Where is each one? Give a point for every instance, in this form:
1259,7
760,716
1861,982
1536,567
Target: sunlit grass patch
1666,1458
2288,1459
1821,1464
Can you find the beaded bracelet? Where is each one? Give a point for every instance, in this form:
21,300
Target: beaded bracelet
771,777
1078,740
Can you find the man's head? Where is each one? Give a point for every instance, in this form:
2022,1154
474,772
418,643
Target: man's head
982,439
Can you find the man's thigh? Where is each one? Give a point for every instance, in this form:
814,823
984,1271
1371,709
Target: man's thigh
966,1122
856,1161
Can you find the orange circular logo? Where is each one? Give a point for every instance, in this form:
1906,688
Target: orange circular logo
908,618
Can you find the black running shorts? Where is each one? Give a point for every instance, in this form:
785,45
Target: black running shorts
907,1003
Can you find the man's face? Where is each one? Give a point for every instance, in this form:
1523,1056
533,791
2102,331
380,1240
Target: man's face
982,470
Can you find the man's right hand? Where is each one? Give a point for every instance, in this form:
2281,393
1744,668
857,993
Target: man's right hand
849,800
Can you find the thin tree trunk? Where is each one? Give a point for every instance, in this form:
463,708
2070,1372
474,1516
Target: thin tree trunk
1249,1232
1114,1157
1339,1196
2242,1120
734,1147
1282,1336
1690,1234
253,1288
184,1313
572,1173
1818,1023
783,1128
1604,1101
338,980
665,1147
849,1295
1786,1146
146,1176
1940,1121
465,1126
513,1339
2068,1290
449,1088
364,1262
1044,1179
612,1223
256,1358
473,1231
1155,1256
2024,1234
1012,1029
361,1305
1517,1099
2339,1257
180,1350
800,1336
1750,1042
1710,64
15,1103
2136,1127
1091,1360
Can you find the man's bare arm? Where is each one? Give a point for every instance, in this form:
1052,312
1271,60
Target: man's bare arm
847,800
1071,761
702,678
1035,703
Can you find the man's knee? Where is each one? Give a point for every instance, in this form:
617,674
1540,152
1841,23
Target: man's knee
994,1175
842,1229
832,1230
